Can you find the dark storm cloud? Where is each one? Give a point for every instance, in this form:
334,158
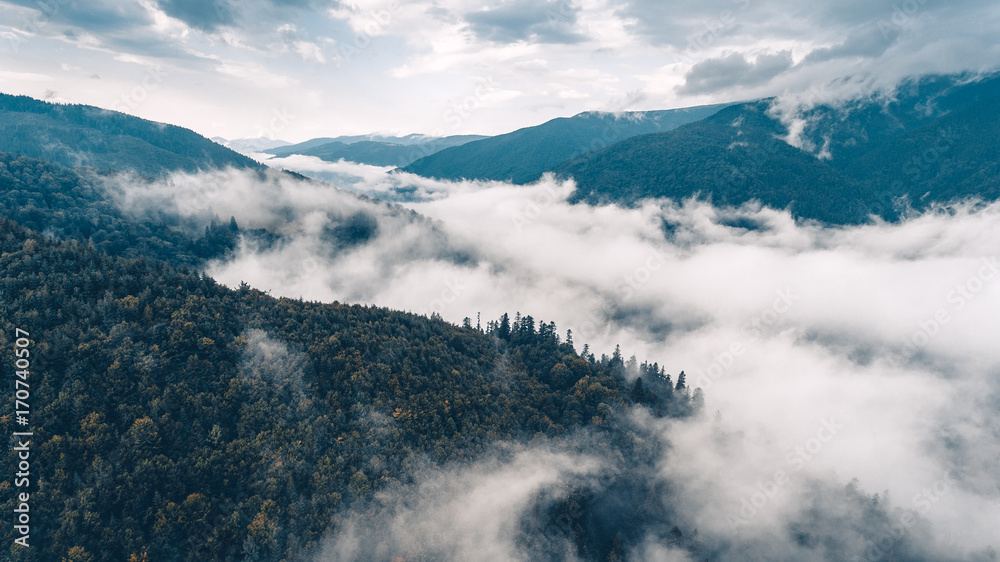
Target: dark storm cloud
880,43
673,23
126,24
869,42
200,14
208,15
714,75
527,20
96,17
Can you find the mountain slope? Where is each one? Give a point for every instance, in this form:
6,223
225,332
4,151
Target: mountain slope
80,135
176,419
936,141
184,420
524,155
250,145
374,150
731,157
74,204
951,157
853,129
377,153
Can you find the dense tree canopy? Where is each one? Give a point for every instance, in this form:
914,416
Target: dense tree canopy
182,419
81,135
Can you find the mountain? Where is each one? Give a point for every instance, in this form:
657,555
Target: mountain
524,155
408,140
956,156
850,130
174,418
297,148
935,140
75,204
250,145
81,135
373,149
731,157
377,153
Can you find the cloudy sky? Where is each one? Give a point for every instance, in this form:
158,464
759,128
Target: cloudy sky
297,69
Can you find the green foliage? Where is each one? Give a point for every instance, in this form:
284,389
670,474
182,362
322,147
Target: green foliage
177,419
376,153
68,204
80,135
525,154
730,158
937,141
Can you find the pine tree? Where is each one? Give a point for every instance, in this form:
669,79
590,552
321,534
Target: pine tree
503,330
638,393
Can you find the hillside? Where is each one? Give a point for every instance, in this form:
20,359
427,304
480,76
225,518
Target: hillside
81,135
177,419
235,422
237,425
936,141
524,155
854,128
951,157
73,204
374,150
730,158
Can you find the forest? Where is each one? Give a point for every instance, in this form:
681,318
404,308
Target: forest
174,418
179,419
81,135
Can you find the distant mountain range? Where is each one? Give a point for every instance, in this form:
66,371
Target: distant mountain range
524,155
250,145
732,157
936,140
82,135
374,150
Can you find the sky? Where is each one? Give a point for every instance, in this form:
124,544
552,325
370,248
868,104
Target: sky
299,69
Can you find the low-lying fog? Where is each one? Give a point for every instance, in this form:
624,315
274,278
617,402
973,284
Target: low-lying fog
831,353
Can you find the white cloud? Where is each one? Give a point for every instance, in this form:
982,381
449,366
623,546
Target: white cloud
463,513
882,330
403,60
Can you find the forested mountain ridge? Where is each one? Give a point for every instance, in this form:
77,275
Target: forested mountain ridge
179,419
845,131
952,157
376,150
522,156
731,157
236,425
935,141
72,204
81,135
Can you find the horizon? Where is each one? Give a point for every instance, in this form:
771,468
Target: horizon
291,70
